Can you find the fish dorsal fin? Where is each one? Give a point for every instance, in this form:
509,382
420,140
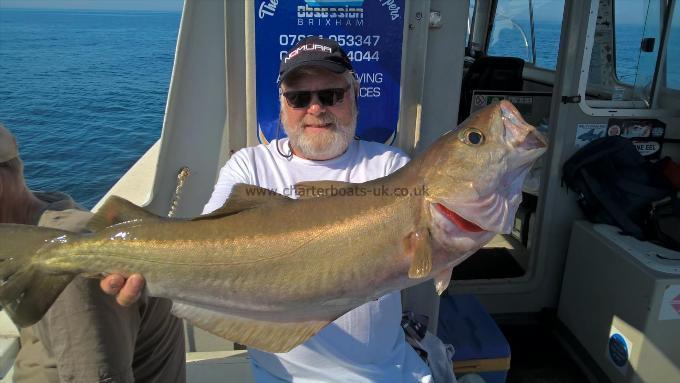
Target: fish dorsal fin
270,336
313,189
245,197
417,247
117,210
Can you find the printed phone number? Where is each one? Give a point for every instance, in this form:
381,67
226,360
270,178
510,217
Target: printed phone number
343,40
354,56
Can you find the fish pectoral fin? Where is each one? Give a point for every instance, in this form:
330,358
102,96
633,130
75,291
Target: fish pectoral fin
418,248
245,197
313,189
118,210
442,280
264,335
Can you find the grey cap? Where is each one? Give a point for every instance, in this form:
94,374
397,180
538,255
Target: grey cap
8,145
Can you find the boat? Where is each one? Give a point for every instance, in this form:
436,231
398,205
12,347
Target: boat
575,301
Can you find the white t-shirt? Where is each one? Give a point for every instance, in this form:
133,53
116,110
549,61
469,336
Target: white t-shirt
365,345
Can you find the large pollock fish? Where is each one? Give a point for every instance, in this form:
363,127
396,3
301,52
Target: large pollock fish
268,271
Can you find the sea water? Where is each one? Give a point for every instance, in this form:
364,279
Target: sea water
84,92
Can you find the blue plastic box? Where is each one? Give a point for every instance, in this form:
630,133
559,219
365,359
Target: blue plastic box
480,345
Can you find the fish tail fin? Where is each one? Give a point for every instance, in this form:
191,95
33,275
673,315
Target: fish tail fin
26,291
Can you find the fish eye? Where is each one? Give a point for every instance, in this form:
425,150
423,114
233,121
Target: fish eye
472,136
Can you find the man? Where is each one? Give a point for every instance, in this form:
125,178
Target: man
86,336
318,96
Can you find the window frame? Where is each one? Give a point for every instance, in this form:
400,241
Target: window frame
622,107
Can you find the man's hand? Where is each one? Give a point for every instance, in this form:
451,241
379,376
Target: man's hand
126,291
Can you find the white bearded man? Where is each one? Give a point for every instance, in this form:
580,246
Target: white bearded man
318,95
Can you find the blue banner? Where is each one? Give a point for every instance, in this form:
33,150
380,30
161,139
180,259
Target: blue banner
370,31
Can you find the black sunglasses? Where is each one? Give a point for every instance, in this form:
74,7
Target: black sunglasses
327,97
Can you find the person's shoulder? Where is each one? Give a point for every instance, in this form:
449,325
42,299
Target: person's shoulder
257,151
63,212
248,157
250,151
379,152
57,200
251,160
382,159
378,148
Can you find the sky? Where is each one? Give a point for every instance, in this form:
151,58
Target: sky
133,5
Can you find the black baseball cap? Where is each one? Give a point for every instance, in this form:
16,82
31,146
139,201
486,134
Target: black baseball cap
315,51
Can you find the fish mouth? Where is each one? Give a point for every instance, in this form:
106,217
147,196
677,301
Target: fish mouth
457,220
527,142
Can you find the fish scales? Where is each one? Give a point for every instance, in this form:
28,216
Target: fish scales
234,257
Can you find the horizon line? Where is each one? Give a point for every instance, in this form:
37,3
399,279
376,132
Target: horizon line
89,9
